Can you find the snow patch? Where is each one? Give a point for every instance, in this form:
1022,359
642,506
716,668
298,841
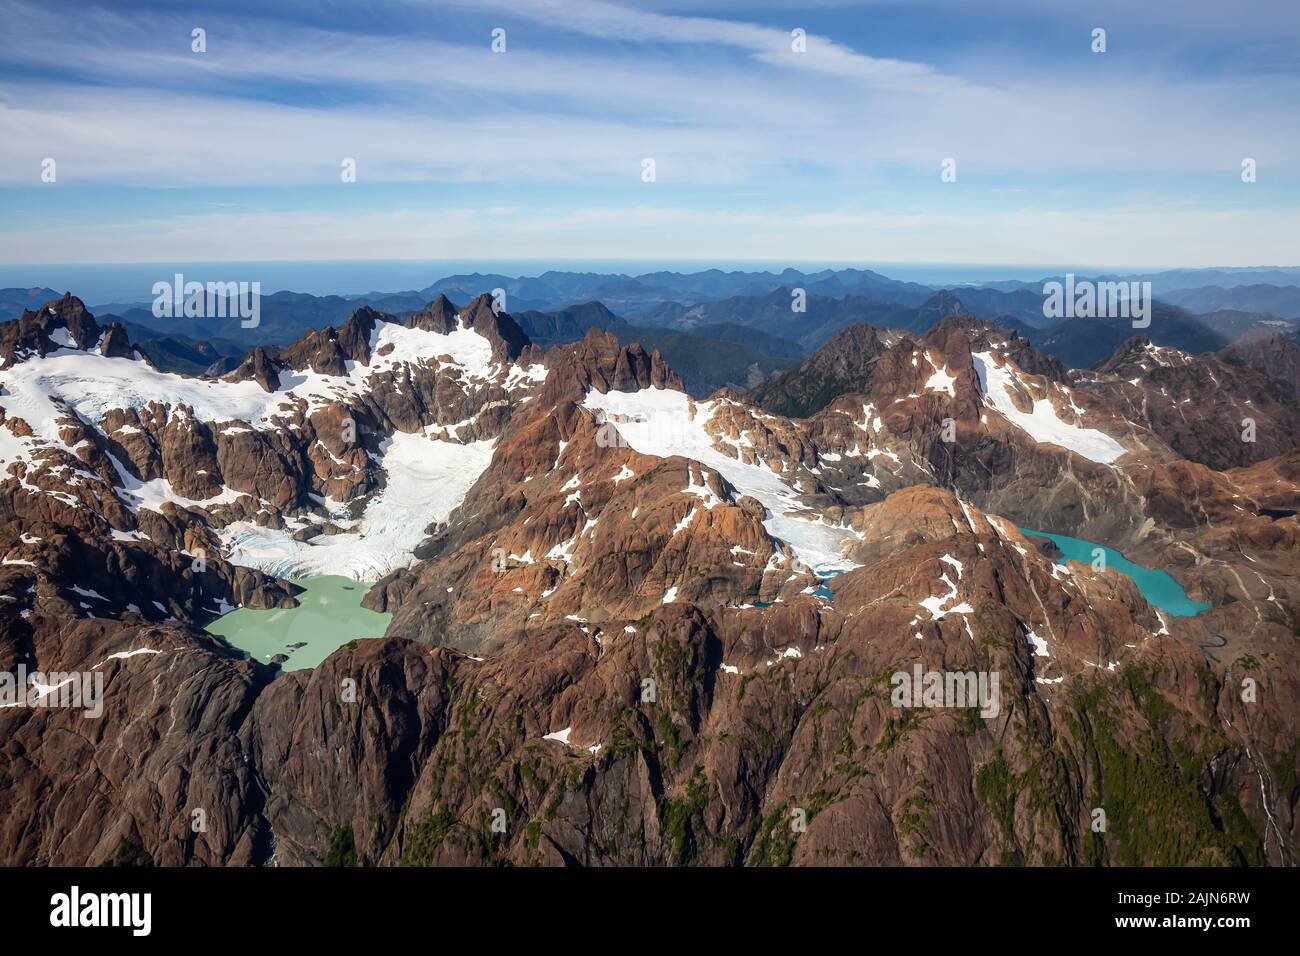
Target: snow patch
999,382
666,422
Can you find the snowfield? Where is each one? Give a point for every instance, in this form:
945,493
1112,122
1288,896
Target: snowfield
998,382
427,481
91,384
658,422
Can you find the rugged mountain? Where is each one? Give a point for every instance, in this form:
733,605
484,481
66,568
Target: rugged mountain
616,637
1271,352
841,366
752,674
845,364
1208,408
715,356
258,451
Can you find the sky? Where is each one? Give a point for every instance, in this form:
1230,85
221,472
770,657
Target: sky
1128,158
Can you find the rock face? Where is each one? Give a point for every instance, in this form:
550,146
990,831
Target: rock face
128,787
60,323
619,642
759,713
1221,409
260,368
1272,353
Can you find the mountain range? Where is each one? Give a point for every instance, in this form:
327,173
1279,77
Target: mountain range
635,626
564,304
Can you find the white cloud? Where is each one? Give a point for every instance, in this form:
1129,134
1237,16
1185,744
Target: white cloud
439,111
722,105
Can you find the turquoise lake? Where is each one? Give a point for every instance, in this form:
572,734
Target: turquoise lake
1157,587
328,615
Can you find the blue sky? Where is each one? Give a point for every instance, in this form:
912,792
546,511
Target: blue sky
1128,158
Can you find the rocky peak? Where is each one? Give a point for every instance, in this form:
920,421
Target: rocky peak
354,337
35,333
1139,353
842,366
318,350
507,338
327,351
599,361
970,326
260,368
1131,350
438,316
953,333
938,367
861,342
71,313
984,335
441,315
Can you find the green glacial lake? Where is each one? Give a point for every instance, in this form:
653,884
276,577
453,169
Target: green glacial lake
1157,587
328,615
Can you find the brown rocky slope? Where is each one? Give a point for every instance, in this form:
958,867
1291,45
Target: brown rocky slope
608,656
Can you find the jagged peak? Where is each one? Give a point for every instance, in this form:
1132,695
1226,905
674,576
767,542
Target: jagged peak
858,332
1139,348
440,315
972,326
601,362
507,338
61,324
259,367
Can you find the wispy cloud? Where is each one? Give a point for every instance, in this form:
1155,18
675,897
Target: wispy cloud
589,88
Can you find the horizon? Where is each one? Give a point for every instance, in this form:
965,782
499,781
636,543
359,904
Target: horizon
129,283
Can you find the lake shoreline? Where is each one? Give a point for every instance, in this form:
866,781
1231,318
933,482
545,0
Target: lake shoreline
1160,588
329,615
